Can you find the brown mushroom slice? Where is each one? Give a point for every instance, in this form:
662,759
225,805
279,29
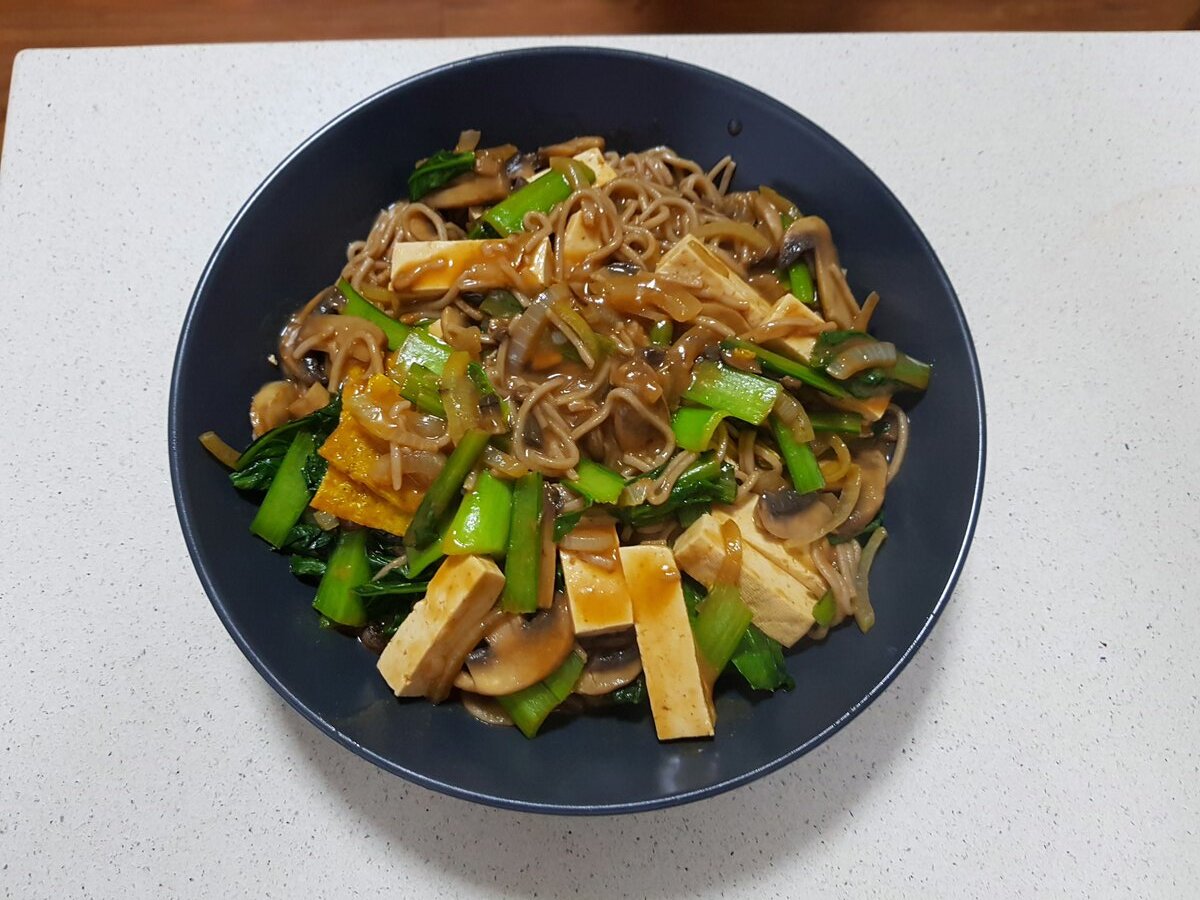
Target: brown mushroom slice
812,233
606,672
801,518
468,190
874,467
521,652
485,709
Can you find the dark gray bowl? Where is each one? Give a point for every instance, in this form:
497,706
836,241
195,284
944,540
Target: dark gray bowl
287,242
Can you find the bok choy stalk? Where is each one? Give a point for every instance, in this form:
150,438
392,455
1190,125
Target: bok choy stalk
722,618
799,458
481,524
694,426
529,708
597,483
348,569
739,394
423,530
288,495
357,305
522,565
540,195
781,365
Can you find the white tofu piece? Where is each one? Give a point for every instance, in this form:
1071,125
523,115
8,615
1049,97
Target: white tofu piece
780,605
452,258
442,628
598,597
679,699
594,160
800,346
578,241
797,563
690,263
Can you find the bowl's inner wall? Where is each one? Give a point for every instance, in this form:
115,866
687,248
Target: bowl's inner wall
290,243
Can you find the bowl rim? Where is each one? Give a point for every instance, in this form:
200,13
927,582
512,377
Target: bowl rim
188,527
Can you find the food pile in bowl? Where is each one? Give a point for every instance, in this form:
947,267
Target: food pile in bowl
577,427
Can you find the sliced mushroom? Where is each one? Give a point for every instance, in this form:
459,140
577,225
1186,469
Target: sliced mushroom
485,709
471,189
802,518
812,233
521,652
572,147
608,671
874,468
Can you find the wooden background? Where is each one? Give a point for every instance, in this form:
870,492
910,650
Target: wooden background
82,23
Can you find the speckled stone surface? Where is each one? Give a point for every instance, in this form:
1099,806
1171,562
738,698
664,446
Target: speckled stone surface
1044,739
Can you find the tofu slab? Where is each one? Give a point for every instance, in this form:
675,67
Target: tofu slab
781,606
798,564
442,628
691,263
598,597
674,680
799,346
447,260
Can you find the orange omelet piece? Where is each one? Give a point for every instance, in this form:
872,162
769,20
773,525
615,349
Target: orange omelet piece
361,459
345,498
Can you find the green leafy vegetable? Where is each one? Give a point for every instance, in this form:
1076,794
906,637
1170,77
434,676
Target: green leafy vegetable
694,426
307,539
256,467
501,304
781,365
760,661
438,171
633,694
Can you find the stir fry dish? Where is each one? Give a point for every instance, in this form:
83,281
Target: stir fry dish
575,429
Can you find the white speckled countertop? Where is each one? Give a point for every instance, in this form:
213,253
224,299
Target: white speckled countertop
1043,741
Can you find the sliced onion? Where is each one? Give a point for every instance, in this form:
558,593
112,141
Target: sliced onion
459,395
525,329
848,498
792,414
422,463
589,540
503,463
862,355
218,448
635,494
571,170
678,303
864,612
467,140
730,571
734,230
325,521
